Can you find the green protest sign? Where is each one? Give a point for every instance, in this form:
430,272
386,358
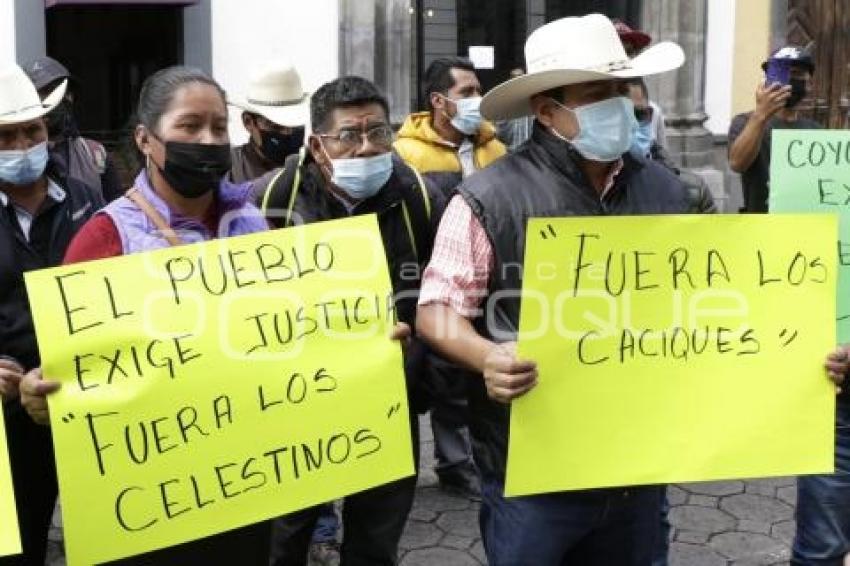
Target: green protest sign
810,172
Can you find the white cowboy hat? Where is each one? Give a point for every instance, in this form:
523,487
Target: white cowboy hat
19,101
276,94
570,51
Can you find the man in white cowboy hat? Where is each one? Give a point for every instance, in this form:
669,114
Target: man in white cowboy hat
39,214
275,112
577,162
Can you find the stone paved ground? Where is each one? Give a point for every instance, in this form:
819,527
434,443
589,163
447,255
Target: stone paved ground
739,523
734,523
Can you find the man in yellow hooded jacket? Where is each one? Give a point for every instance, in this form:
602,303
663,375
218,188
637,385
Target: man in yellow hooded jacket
447,143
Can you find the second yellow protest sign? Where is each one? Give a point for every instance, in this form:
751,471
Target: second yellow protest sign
10,541
674,349
210,386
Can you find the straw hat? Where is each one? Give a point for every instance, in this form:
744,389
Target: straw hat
19,101
571,51
276,94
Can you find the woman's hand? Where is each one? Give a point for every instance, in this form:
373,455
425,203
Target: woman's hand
11,374
34,391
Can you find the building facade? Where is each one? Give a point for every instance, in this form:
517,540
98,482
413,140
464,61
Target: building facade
112,45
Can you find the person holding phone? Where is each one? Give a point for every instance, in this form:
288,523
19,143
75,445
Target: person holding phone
788,79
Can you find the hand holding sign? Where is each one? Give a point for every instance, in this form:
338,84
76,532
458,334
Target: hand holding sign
701,337
34,390
210,386
838,364
507,377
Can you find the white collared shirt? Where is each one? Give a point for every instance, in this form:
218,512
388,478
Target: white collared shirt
54,192
466,155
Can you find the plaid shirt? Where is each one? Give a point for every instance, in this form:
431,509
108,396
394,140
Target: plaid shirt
461,262
462,259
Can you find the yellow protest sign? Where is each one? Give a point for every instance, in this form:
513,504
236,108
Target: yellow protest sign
214,385
10,539
674,349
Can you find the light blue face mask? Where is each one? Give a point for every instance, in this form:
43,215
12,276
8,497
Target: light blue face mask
23,166
606,128
642,140
362,177
467,120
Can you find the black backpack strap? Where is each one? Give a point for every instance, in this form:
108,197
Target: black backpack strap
282,190
416,208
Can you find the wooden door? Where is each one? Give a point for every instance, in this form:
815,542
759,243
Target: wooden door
827,24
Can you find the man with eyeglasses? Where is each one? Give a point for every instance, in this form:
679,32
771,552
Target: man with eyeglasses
448,143
349,169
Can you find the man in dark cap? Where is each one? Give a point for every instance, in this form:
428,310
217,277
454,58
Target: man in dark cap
776,108
634,41
71,154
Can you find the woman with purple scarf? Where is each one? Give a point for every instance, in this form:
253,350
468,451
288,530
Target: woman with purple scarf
179,197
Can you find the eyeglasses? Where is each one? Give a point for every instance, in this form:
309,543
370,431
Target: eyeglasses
643,115
350,139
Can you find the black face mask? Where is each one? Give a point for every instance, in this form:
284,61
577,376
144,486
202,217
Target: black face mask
194,169
277,147
798,92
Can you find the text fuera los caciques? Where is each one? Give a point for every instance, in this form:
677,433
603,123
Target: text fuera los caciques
629,273
681,268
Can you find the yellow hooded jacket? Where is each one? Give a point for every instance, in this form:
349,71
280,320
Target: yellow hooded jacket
421,147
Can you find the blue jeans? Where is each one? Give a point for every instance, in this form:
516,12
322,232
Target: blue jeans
608,527
823,506
662,544
327,525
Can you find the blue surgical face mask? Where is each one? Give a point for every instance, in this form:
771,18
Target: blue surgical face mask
605,128
467,119
642,140
22,167
361,177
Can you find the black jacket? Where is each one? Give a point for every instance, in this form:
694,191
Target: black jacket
543,178
406,259
699,194
53,228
